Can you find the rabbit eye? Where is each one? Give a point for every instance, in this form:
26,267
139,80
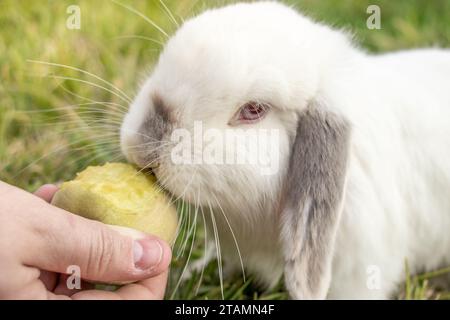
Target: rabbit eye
251,112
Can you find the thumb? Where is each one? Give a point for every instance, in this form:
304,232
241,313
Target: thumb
59,240
46,192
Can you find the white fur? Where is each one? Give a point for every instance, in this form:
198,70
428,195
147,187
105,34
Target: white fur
397,203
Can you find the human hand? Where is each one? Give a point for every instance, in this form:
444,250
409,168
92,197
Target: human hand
38,242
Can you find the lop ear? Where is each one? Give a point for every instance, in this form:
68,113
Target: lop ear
312,201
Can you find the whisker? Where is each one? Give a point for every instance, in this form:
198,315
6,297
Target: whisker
148,165
89,158
150,21
218,249
82,71
146,136
181,219
73,106
142,38
107,124
182,248
122,107
233,235
169,13
205,257
189,228
86,117
189,254
187,262
127,100
59,149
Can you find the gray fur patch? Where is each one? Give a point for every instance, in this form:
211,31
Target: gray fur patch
312,196
156,126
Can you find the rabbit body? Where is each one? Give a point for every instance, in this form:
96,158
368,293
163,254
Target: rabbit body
395,202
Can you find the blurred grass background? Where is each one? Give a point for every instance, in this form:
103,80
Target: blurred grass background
55,121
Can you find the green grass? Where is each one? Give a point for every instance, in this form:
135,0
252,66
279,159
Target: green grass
43,140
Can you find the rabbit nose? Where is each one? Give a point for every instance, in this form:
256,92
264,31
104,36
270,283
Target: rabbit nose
150,169
147,161
154,165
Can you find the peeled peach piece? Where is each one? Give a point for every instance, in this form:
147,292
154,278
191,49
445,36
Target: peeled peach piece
118,194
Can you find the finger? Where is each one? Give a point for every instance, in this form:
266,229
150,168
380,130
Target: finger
158,286
59,239
54,296
96,295
62,287
149,289
46,192
49,279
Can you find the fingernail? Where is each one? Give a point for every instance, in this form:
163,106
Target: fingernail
147,253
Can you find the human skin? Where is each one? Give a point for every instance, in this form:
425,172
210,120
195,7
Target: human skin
38,242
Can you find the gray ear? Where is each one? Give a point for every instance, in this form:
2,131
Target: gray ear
312,200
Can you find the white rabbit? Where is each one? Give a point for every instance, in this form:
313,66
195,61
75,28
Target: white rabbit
364,149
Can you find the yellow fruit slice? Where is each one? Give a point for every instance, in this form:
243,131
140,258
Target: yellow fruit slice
118,194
